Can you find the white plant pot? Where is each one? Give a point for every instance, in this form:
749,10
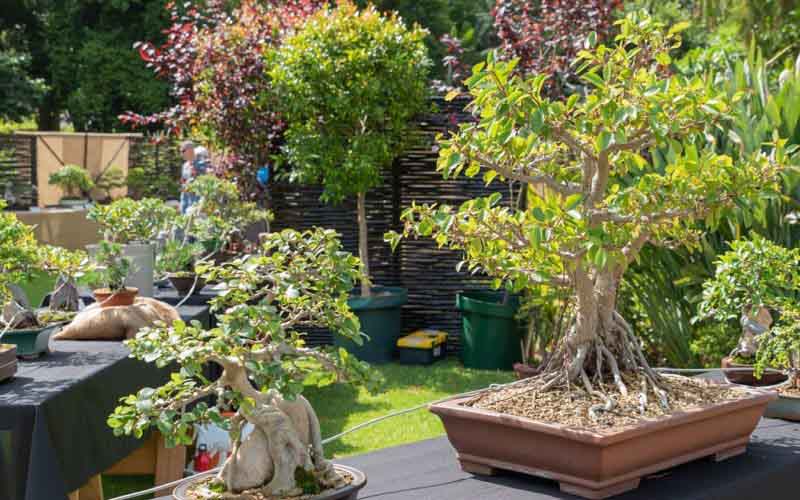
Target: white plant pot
143,259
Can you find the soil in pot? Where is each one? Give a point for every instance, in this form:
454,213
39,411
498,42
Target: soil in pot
202,488
108,298
183,283
550,433
744,374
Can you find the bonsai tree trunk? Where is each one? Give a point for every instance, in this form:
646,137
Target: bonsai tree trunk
754,324
18,313
285,444
65,297
363,247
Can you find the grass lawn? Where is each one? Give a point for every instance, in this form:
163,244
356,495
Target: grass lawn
341,407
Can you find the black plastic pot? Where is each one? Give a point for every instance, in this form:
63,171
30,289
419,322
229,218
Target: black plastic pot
380,317
490,335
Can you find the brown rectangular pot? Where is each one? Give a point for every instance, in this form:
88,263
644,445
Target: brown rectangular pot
594,465
8,361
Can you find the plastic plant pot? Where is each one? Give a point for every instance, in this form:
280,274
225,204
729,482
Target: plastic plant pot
491,334
380,317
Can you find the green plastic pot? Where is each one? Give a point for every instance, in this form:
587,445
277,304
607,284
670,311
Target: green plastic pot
31,342
379,315
490,335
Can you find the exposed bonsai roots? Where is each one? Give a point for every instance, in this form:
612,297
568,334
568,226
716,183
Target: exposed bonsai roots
615,354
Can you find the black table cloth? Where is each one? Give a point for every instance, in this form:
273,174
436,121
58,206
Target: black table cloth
53,431
428,470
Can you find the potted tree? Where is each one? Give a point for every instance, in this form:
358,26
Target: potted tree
75,184
351,81
294,279
135,225
780,348
112,269
177,262
625,165
754,280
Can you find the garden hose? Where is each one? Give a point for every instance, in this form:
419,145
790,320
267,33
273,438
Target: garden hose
442,400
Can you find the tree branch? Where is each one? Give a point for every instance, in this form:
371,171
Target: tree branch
564,188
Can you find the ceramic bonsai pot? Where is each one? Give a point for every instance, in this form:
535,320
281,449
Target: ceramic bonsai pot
107,298
8,361
744,374
183,283
349,492
594,465
786,407
491,334
380,317
142,274
33,341
525,371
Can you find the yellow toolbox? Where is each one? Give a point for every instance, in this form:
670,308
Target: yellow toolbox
422,347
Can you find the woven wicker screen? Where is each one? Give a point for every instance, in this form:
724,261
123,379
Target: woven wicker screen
426,271
17,172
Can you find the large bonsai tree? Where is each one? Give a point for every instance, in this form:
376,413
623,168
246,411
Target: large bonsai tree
297,279
625,165
351,82
19,257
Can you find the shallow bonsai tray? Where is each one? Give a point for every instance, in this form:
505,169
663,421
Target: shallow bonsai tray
594,465
349,492
784,408
745,374
31,342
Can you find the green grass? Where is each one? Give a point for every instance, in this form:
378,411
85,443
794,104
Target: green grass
341,407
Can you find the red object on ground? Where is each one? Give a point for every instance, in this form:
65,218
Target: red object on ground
202,461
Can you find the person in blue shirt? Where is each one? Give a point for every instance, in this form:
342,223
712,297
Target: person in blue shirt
196,163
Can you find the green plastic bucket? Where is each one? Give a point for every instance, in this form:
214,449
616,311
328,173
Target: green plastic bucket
490,334
380,317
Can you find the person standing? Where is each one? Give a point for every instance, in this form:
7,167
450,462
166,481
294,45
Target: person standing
196,163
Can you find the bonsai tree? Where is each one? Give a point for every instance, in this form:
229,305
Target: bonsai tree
295,279
19,257
220,219
74,181
754,279
623,166
780,348
130,221
178,259
68,266
112,267
110,179
351,82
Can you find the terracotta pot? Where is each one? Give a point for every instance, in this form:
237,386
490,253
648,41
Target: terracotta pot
745,375
349,492
183,284
594,465
525,371
107,298
8,361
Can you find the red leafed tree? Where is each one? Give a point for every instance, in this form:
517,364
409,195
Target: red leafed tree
214,60
546,35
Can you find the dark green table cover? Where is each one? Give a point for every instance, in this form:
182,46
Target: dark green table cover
53,432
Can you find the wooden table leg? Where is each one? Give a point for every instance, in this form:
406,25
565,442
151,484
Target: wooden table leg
92,490
170,464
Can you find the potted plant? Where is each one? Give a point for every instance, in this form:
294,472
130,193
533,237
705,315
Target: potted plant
753,280
625,165
780,348
294,279
351,82
177,262
220,219
112,269
22,326
75,184
135,225
111,179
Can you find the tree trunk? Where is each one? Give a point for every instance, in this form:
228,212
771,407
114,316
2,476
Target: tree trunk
363,244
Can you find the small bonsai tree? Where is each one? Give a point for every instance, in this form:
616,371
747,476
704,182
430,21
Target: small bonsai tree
220,218
780,348
110,179
178,259
68,266
295,279
74,181
753,280
19,258
130,221
111,267
351,82
625,165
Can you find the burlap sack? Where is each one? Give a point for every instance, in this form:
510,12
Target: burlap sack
117,323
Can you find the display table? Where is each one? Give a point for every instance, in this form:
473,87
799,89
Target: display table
428,470
53,432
